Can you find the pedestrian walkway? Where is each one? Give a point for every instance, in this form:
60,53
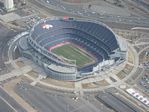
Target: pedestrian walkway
15,73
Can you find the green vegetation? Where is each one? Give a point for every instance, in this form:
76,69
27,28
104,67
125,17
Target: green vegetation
71,52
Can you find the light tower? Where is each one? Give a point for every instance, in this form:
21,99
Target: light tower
9,5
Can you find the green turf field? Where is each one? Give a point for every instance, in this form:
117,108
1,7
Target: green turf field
73,53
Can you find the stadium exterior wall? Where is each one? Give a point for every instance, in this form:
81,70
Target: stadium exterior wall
27,52
30,49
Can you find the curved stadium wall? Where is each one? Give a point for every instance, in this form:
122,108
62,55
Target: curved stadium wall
95,37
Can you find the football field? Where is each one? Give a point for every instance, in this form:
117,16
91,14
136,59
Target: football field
71,52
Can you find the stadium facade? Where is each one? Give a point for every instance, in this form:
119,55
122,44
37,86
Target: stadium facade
92,36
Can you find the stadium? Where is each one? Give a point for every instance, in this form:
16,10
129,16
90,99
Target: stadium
72,48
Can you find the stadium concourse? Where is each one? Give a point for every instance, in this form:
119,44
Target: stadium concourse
90,41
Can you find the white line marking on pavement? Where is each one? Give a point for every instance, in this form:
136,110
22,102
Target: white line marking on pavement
8,104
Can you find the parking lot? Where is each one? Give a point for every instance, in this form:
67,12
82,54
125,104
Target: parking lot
45,101
8,104
143,82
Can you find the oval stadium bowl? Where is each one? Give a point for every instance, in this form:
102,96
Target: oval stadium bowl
71,48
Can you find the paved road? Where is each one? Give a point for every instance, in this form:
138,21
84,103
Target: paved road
11,101
47,102
58,13
75,10
116,102
4,107
5,35
142,3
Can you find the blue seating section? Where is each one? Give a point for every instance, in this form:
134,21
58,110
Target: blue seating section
94,37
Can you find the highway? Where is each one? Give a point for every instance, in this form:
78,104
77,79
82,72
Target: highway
7,103
6,35
11,103
5,107
79,11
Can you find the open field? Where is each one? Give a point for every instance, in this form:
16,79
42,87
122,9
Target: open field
71,52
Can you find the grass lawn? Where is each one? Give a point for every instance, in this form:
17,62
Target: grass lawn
71,52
